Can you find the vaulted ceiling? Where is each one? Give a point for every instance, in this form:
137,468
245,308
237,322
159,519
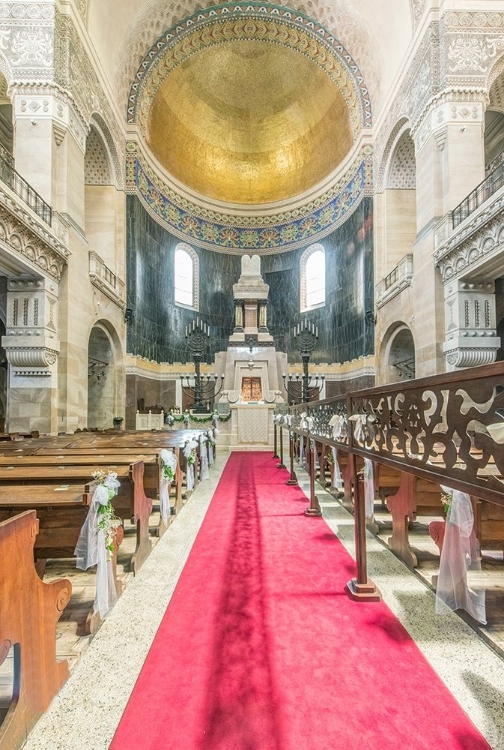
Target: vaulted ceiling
375,32
245,104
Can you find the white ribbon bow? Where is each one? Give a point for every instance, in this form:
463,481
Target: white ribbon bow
205,474
337,476
338,423
496,431
306,422
91,550
188,449
168,458
361,421
210,447
459,554
369,489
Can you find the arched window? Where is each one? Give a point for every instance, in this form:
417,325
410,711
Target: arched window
312,278
186,276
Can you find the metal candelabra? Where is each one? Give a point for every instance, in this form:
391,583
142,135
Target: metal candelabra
303,387
206,387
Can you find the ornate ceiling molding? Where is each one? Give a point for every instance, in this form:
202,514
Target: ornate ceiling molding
75,72
232,233
350,23
242,21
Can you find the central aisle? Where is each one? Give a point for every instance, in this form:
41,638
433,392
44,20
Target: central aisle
261,649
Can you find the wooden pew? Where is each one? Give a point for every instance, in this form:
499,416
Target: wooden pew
174,439
61,512
413,497
131,501
488,526
29,611
150,456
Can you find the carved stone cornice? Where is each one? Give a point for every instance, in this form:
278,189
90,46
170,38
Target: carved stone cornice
474,242
454,104
27,236
30,356
49,101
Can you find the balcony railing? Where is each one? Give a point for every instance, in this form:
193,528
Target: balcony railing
397,280
18,185
103,278
493,182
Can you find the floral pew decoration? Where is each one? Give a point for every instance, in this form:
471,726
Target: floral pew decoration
460,553
211,447
205,474
190,457
168,468
97,540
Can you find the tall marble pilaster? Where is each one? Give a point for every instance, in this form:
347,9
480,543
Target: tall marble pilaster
32,347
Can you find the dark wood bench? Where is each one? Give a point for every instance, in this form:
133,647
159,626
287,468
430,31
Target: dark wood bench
407,498
130,503
29,611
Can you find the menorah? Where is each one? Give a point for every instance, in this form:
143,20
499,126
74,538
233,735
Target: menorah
206,387
302,387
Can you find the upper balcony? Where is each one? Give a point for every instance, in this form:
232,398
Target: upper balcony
31,234
21,188
468,240
105,280
398,279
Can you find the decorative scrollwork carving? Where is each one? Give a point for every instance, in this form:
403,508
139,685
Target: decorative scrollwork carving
439,426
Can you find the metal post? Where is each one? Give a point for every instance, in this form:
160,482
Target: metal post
275,441
314,509
306,379
293,478
360,588
281,465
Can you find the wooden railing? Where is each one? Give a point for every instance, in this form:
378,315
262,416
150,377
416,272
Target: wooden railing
436,428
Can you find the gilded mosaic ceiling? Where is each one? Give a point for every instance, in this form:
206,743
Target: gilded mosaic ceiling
249,122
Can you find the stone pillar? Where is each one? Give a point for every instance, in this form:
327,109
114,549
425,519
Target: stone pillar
449,156
32,347
262,316
239,316
470,333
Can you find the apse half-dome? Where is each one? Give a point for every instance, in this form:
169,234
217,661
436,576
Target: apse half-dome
249,122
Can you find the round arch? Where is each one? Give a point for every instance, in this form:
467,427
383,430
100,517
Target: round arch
100,126
397,354
397,132
105,375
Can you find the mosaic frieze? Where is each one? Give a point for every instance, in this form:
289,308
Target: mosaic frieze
285,231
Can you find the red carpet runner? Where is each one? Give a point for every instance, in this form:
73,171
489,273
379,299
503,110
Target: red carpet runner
261,649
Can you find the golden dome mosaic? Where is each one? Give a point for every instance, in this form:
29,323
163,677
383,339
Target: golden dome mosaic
249,107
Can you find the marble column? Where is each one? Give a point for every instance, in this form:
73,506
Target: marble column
32,348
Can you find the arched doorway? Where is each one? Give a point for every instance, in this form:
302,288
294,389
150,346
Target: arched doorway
399,354
101,380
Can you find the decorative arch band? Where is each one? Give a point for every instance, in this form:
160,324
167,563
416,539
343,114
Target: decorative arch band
241,21
213,230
